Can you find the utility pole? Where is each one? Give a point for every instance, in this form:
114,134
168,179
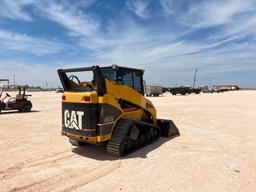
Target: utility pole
194,81
14,79
210,78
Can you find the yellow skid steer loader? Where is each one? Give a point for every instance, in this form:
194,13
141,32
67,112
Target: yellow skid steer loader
110,108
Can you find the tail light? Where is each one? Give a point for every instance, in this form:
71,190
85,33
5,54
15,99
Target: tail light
63,97
86,98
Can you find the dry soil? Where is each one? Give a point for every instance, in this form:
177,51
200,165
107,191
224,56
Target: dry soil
216,150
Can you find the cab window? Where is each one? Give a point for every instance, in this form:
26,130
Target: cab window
109,74
132,79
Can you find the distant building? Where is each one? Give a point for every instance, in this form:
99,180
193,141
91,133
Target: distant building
4,80
226,87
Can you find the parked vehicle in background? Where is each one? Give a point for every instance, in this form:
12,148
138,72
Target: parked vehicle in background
206,89
59,90
216,90
20,102
153,90
182,90
195,90
223,88
165,89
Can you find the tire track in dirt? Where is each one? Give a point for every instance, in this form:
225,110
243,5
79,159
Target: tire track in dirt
13,170
69,180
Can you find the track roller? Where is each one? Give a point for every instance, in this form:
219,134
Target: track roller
123,140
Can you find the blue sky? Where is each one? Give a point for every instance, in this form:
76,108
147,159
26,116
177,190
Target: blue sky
168,38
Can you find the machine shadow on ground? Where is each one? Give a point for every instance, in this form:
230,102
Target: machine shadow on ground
99,152
17,112
142,152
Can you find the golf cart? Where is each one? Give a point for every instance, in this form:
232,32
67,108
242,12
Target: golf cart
20,102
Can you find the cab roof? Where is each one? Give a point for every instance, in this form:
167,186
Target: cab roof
116,67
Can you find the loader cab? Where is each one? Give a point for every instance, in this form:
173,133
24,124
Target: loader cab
125,76
85,79
72,82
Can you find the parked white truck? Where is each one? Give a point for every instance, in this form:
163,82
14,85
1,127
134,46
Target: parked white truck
153,90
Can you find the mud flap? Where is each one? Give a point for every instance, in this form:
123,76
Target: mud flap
168,128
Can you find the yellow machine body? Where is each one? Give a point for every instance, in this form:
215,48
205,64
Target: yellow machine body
108,106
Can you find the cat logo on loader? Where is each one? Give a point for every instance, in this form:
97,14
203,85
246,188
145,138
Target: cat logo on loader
73,119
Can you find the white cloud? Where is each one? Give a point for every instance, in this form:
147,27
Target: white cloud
219,12
139,8
139,48
239,29
25,43
27,73
200,14
173,7
66,13
72,18
15,9
128,42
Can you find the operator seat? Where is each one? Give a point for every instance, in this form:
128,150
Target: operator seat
19,97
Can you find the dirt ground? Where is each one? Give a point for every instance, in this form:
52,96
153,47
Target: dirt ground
215,152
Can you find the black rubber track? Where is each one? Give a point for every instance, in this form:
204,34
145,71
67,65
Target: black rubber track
115,146
121,144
